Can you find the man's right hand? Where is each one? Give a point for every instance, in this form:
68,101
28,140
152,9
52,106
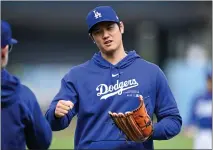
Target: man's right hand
62,108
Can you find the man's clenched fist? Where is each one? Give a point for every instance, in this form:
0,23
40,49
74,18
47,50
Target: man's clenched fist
62,108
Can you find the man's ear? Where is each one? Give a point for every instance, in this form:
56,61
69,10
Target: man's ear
90,35
4,51
121,27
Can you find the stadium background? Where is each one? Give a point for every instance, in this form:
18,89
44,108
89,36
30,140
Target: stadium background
53,37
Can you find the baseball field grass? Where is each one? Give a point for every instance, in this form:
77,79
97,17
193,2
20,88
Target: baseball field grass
65,140
179,142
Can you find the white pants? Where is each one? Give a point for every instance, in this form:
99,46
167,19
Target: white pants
203,139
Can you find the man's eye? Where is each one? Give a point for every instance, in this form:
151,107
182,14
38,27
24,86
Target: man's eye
110,27
96,31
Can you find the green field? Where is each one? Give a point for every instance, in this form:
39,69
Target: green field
179,142
64,140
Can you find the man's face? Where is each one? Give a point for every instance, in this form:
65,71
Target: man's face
108,36
4,56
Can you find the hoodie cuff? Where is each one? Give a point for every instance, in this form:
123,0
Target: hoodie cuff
158,132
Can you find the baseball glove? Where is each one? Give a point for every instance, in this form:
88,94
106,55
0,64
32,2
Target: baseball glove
136,124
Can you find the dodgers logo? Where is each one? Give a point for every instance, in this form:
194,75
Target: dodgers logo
105,91
97,14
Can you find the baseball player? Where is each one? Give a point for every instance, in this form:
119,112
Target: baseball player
23,123
200,123
112,80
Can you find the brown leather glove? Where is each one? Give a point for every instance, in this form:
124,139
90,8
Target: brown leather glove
136,124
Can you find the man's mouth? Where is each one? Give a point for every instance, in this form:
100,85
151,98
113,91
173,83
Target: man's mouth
107,42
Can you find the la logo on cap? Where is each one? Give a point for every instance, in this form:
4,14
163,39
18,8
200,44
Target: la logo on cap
97,14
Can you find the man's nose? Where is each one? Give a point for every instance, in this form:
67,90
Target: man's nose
105,34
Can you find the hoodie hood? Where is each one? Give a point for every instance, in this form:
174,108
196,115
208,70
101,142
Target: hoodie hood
125,62
9,87
115,70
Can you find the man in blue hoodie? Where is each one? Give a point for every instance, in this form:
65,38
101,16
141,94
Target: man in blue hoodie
112,81
22,122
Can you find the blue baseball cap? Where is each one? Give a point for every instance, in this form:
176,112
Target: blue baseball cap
100,14
6,34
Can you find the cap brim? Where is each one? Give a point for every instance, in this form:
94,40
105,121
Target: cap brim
103,20
13,41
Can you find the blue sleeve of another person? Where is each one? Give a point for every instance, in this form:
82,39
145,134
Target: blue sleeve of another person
192,113
38,131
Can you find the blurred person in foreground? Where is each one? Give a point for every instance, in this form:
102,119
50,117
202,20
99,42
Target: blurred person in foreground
200,122
112,80
23,123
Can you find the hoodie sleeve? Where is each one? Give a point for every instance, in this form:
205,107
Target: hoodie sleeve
38,132
169,121
66,92
192,113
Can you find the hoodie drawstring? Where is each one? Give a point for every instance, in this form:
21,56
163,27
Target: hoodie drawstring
119,72
111,79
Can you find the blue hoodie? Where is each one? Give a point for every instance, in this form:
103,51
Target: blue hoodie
97,87
22,120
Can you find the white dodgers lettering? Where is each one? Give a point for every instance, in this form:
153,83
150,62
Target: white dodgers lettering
106,91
